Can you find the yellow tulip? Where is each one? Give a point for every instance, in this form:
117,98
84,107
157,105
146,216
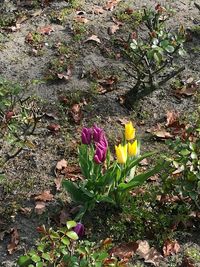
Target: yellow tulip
132,148
121,153
129,131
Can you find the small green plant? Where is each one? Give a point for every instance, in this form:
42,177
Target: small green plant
36,40
107,181
152,54
79,30
61,247
185,160
18,120
129,16
7,20
60,16
193,253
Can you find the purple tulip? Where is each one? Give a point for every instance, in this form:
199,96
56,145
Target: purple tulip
86,136
103,140
79,229
97,133
100,153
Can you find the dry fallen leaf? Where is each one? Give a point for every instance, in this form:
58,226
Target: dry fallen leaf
108,84
98,10
25,210
124,250
150,255
54,128
170,247
46,30
172,118
40,207
189,88
61,164
66,75
162,134
112,29
58,183
45,196
81,19
93,38
76,113
111,4
123,121
12,246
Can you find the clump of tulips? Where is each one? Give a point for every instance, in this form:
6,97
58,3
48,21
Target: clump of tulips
106,180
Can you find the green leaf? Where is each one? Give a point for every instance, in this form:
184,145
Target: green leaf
184,152
136,161
157,57
169,49
35,258
65,240
139,179
72,235
182,52
194,155
134,44
54,235
155,41
102,256
39,264
105,199
75,192
108,177
164,43
71,224
41,247
24,260
46,256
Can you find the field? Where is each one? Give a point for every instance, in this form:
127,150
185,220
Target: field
65,65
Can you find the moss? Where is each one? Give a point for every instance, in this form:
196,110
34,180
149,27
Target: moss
195,30
193,253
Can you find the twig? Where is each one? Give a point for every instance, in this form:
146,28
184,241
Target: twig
171,75
8,157
197,6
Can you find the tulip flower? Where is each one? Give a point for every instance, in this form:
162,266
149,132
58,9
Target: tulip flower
79,229
132,148
100,153
97,133
86,136
103,140
129,131
121,153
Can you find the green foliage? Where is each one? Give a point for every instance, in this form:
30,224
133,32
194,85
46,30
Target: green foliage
184,179
61,248
60,16
193,253
79,31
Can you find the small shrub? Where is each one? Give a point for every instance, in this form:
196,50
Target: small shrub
184,179
61,247
152,54
18,119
